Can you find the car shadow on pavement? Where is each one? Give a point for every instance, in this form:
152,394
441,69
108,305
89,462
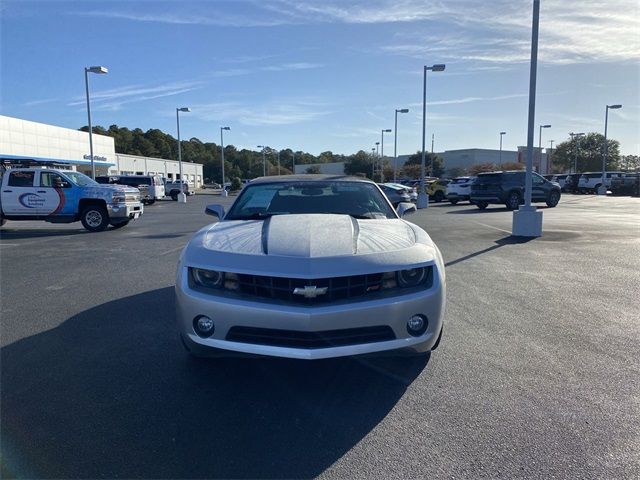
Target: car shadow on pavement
510,240
23,233
475,210
111,393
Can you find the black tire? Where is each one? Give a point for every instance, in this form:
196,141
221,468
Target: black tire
513,200
553,199
482,205
174,196
94,218
438,196
151,202
120,225
2,220
453,202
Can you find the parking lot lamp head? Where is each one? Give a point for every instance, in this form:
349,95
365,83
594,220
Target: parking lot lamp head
182,198
87,70
423,199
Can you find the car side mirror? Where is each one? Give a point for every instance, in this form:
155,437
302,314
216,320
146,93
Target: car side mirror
405,208
215,210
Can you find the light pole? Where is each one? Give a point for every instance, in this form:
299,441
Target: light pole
373,162
264,161
182,198
224,190
278,162
87,70
602,190
293,162
540,147
395,143
423,199
386,130
549,156
500,157
575,149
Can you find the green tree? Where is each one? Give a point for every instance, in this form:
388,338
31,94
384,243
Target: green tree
236,184
586,154
433,163
482,167
359,164
313,169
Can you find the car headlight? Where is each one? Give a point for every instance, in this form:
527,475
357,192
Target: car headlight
412,277
118,197
207,278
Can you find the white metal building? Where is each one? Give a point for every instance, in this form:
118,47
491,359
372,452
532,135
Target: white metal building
23,139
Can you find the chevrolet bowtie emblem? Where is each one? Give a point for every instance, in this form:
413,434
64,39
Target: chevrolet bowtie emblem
310,291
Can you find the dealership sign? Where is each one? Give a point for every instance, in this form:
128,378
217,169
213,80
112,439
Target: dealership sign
98,158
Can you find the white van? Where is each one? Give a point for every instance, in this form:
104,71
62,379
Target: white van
153,182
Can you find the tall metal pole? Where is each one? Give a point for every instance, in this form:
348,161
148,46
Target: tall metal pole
86,84
532,102
264,163
549,158
423,198
395,148
293,162
433,136
278,162
373,164
500,155
603,187
181,194
224,190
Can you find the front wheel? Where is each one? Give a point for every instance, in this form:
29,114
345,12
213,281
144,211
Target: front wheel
513,201
2,220
482,205
94,218
554,198
151,202
438,197
174,196
453,202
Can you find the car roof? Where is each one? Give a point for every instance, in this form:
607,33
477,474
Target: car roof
309,178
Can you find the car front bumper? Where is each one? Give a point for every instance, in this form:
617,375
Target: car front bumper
227,312
120,212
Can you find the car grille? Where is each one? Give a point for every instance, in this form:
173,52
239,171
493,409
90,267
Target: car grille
310,340
338,288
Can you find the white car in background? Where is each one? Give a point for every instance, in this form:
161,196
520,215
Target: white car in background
459,188
589,182
310,267
411,191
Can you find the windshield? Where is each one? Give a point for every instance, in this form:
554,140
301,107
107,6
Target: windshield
80,179
358,199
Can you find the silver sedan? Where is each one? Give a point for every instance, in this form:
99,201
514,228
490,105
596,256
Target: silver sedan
310,267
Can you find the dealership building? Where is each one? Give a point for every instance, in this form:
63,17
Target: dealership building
68,148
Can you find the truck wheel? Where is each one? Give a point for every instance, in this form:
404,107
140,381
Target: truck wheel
94,218
438,197
554,198
120,225
151,202
481,205
513,201
2,220
453,202
174,196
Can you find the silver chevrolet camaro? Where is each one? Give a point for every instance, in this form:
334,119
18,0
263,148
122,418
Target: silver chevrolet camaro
310,267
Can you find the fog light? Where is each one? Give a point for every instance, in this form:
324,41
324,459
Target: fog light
203,326
417,325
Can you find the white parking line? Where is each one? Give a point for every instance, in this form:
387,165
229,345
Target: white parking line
491,226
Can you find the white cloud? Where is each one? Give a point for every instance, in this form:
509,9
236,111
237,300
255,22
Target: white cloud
282,112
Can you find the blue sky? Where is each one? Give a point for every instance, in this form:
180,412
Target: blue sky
319,75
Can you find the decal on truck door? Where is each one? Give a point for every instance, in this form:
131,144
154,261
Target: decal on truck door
60,203
31,200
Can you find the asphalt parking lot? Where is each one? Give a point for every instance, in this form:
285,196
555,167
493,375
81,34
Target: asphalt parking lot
537,374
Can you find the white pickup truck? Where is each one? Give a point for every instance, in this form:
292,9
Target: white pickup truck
65,196
172,188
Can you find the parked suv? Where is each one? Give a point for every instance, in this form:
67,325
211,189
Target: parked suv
172,188
571,183
508,188
145,196
589,182
628,184
151,186
560,179
437,189
459,189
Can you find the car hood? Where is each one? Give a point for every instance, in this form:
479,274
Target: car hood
302,245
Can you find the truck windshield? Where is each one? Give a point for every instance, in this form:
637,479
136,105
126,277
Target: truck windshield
80,179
